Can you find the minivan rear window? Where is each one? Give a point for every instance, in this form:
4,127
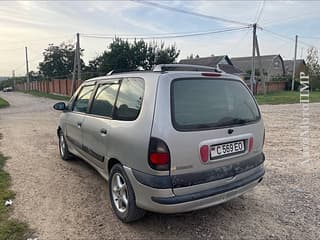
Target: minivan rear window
211,103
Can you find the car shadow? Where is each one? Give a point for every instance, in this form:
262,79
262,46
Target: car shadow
210,223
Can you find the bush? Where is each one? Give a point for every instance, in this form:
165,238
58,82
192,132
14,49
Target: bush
296,85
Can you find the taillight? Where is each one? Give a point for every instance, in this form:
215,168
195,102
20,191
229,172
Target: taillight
250,144
159,155
204,153
264,136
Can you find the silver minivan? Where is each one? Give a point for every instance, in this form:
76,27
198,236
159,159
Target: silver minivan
175,139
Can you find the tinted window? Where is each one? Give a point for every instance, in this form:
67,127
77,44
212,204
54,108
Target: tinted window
82,102
130,99
206,103
103,102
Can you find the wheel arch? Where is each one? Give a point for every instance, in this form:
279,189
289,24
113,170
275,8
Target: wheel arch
58,130
111,163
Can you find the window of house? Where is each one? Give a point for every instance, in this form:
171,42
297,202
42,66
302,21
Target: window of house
276,64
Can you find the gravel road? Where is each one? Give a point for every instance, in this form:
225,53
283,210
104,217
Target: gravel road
68,200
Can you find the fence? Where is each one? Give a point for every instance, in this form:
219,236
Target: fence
63,86
274,86
56,86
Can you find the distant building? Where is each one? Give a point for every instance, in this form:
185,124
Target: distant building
300,67
272,65
220,62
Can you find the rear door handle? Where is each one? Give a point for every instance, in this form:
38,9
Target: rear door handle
79,124
103,131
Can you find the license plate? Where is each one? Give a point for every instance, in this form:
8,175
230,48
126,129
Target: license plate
226,149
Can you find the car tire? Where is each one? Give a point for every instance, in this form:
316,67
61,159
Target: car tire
122,196
63,147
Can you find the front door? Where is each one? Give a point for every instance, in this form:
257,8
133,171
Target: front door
75,118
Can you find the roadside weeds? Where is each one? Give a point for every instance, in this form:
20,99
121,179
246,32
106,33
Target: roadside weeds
47,95
3,103
9,228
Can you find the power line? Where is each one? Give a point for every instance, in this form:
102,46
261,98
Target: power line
157,5
290,39
40,39
168,36
310,37
278,34
236,44
260,13
142,35
11,49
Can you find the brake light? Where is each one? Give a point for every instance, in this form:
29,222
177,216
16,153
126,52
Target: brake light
159,155
209,74
250,144
159,158
204,153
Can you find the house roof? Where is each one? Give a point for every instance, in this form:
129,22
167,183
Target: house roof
288,64
230,69
205,61
214,61
245,63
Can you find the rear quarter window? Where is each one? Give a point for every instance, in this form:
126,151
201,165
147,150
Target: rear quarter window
203,103
130,99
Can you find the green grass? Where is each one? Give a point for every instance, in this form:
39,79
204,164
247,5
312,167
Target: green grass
285,97
3,103
48,95
9,228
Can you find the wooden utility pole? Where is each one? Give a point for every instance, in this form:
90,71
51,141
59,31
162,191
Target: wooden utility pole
74,72
294,63
78,57
27,68
76,65
253,68
260,68
14,79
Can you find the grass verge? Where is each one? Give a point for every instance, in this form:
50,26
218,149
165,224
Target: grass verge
48,95
9,228
3,103
285,97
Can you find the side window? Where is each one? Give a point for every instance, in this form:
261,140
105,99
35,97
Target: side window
103,102
82,102
130,99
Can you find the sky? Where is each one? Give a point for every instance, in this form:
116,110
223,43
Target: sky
38,23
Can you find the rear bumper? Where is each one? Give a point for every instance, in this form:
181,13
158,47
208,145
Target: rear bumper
256,177
163,200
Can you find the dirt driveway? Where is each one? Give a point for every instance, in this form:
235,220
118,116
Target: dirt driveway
68,200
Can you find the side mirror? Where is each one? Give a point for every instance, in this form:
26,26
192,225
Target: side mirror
60,106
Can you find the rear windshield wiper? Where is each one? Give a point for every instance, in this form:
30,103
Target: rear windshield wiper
228,121
222,122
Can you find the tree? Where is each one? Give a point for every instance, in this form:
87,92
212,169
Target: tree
313,67
312,62
58,60
125,56
165,54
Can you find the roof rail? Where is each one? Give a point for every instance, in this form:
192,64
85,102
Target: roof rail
110,73
183,67
115,71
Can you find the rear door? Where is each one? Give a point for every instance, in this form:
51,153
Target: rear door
209,126
97,125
